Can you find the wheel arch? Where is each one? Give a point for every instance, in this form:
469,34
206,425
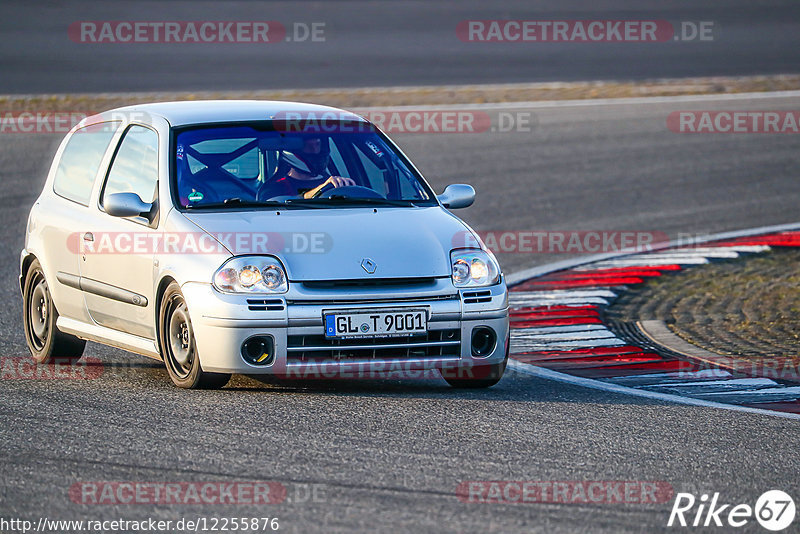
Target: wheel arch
25,264
161,288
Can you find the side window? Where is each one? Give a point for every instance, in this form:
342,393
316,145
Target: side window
135,165
81,160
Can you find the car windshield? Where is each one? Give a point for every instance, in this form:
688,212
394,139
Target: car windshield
249,166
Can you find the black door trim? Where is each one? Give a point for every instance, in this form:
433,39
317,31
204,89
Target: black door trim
102,289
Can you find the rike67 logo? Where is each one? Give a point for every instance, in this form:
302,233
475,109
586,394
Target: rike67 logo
774,510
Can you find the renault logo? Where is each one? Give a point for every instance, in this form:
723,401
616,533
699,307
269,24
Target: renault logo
368,265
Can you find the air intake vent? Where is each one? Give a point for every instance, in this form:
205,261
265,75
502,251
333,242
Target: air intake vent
265,305
318,348
477,297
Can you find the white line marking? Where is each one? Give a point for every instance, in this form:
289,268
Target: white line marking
705,373
721,253
569,337
544,330
544,303
788,391
675,377
740,248
566,338
524,345
733,383
555,297
673,257
549,374
643,262
560,293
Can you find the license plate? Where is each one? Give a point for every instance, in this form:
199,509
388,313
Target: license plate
376,324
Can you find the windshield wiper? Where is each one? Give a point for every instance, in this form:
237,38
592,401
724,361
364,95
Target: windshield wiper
237,203
340,200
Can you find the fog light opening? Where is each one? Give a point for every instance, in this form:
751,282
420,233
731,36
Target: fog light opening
484,341
259,350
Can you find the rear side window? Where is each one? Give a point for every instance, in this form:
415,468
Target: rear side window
81,160
135,166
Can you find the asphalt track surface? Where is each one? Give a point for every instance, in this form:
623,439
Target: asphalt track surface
378,44
388,456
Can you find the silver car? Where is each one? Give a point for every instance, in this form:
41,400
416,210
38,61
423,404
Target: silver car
257,238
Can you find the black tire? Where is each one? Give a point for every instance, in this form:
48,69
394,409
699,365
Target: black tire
46,342
475,377
178,345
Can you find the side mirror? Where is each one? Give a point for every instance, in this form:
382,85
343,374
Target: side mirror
457,196
126,205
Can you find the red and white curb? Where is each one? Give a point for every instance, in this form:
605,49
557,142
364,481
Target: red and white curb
557,331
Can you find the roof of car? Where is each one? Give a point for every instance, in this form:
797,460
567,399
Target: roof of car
214,111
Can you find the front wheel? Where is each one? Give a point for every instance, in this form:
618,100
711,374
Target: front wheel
178,345
45,341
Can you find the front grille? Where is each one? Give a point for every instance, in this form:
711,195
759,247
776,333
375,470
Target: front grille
265,304
476,297
410,283
318,348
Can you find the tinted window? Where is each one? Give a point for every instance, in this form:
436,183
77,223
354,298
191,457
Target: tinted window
135,166
81,160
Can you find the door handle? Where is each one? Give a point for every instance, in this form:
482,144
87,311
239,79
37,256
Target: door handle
88,236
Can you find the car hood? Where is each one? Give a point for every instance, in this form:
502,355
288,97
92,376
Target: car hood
332,244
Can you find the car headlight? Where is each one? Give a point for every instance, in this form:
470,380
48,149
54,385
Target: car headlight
251,274
474,268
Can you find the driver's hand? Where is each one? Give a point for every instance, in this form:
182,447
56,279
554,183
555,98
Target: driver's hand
339,181
335,181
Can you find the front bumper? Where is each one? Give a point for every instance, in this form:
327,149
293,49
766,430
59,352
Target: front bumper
222,323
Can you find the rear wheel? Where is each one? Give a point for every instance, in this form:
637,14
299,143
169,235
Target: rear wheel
46,343
178,345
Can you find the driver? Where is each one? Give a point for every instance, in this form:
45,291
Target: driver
305,173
